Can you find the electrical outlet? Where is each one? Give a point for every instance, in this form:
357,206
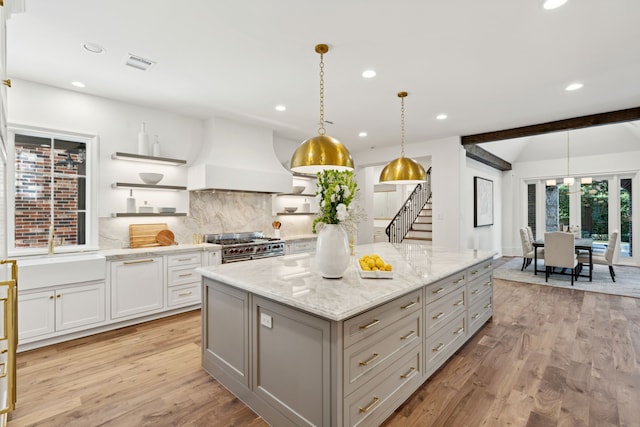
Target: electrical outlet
265,320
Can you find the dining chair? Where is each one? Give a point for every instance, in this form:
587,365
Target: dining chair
560,251
607,258
527,249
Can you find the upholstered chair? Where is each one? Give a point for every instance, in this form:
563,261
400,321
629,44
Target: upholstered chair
606,259
560,251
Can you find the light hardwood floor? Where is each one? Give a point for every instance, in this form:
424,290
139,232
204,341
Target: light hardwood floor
551,357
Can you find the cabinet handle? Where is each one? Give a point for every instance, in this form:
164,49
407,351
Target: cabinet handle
437,316
184,294
58,296
459,303
460,280
51,297
475,291
185,275
474,272
475,316
369,325
408,335
184,259
411,304
488,283
411,369
488,305
439,347
138,261
459,331
7,82
437,291
371,359
376,399
488,266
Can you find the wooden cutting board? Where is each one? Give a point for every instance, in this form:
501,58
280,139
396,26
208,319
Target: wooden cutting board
144,235
165,238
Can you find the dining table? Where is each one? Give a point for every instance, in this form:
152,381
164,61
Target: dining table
582,243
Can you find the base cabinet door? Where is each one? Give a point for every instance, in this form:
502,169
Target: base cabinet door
80,306
36,314
291,362
136,287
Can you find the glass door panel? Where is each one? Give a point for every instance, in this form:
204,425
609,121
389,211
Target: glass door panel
594,202
626,234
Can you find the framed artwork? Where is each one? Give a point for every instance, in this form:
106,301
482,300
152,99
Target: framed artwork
482,202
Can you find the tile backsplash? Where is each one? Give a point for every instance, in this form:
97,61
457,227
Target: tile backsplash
211,212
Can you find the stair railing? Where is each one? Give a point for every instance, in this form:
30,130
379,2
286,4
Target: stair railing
409,211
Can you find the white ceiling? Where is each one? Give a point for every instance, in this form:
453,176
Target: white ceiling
489,65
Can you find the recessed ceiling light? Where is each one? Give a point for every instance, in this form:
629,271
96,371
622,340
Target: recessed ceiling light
78,84
574,86
553,4
367,74
362,134
281,108
441,116
93,48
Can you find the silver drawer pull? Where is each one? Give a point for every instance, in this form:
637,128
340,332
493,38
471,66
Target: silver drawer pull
184,259
185,275
459,331
138,261
184,294
475,316
459,303
371,359
408,335
488,284
460,280
438,316
475,272
439,347
488,266
488,305
475,291
369,325
375,401
411,370
411,304
437,291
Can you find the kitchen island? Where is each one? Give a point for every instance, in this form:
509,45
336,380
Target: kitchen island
302,350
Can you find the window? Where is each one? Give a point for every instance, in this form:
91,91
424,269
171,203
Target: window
595,210
531,207
626,234
51,177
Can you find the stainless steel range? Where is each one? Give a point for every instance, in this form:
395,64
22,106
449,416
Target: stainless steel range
246,246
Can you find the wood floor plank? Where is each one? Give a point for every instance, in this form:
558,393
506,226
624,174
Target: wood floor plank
550,357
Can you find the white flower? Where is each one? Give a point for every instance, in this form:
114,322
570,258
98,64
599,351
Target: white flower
333,198
346,191
341,212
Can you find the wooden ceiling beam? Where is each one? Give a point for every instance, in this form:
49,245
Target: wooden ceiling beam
475,152
559,125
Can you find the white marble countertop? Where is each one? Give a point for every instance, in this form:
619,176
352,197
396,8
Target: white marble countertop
300,237
122,253
295,281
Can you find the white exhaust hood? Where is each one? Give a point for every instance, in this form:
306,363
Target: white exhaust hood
238,157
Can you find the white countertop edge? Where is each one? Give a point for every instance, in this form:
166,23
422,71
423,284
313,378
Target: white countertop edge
158,250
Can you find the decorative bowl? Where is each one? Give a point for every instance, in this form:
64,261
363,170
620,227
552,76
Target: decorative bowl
290,209
166,210
151,178
297,189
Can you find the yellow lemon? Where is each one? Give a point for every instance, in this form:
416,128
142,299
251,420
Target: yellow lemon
387,267
371,263
379,263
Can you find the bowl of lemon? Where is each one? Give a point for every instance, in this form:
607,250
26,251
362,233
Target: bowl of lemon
374,267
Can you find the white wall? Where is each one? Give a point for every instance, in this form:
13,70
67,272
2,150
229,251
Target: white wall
117,124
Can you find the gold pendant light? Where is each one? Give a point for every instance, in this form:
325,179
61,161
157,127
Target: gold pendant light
403,170
321,152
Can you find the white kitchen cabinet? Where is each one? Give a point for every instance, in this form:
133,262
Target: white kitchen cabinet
183,283
51,311
137,287
300,246
211,258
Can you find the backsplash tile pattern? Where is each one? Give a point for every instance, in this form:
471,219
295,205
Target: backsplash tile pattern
212,212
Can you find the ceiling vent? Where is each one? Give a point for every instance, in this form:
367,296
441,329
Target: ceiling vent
138,62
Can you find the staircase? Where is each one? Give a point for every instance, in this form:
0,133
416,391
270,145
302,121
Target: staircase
413,222
422,228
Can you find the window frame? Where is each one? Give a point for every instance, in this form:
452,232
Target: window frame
92,150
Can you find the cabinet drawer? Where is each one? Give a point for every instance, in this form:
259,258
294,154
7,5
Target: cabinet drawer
480,311
183,259
302,247
443,287
479,269
183,275
480,285
371,404
366,324
371,356
185,294
441,311
444,343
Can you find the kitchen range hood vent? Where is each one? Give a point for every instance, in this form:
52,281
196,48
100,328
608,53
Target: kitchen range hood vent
138,62
238,157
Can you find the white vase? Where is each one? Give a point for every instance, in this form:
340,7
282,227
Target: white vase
332,251
143,141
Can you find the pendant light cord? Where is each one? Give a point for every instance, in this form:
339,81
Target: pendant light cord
568,174
321,131
401,125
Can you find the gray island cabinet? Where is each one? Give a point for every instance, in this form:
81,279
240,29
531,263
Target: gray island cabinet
302,350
